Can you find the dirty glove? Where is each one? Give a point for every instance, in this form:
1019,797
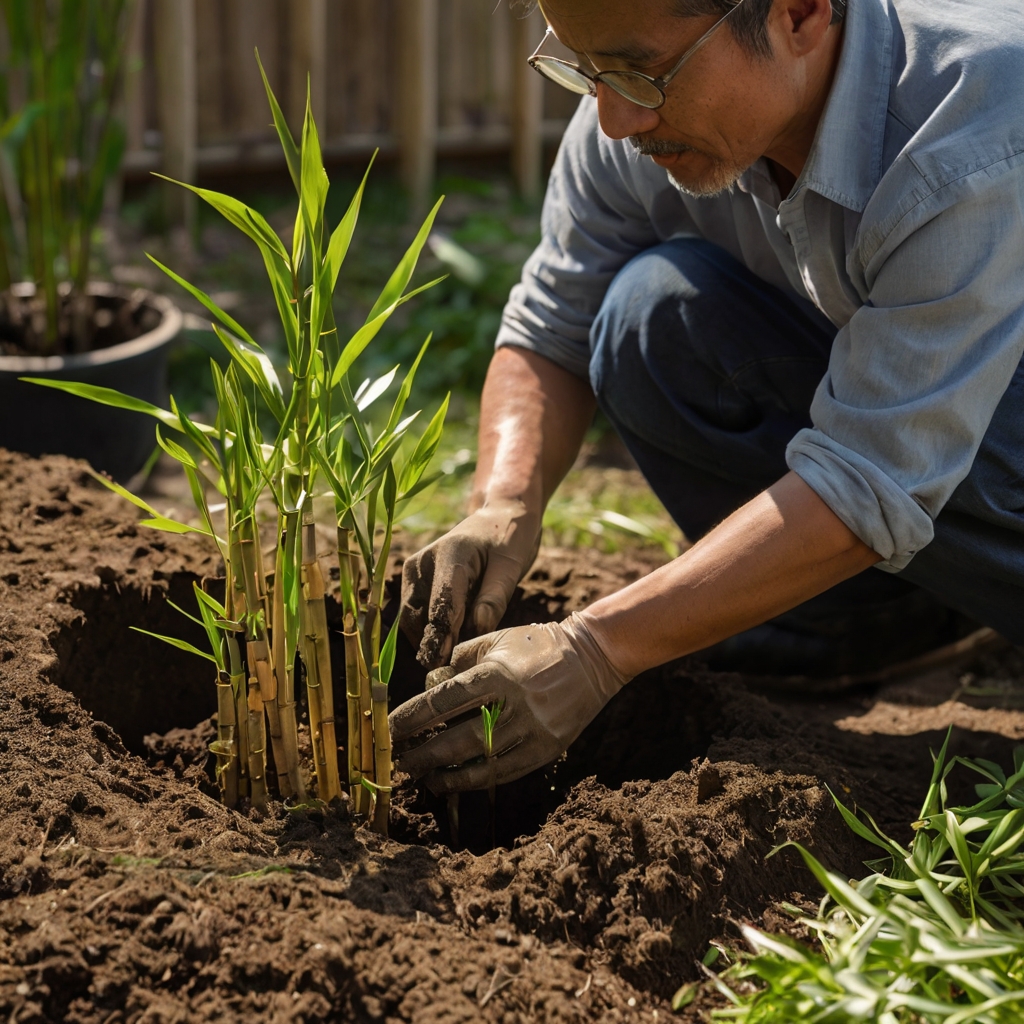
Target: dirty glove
553,678
489,552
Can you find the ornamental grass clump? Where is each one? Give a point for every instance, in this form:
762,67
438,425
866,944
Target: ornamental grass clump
934,936
322,444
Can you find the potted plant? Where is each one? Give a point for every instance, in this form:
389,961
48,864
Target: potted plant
60,145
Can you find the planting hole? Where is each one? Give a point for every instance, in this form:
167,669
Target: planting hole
140,686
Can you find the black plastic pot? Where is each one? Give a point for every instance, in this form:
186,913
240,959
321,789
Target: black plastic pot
40,421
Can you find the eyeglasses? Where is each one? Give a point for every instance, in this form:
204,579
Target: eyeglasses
633,85
636,87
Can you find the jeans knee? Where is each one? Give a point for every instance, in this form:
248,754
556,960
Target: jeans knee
641,326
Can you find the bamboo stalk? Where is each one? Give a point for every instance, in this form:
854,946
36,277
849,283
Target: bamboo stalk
367,766
227,749
286,750
381,758
256,721
236,679
348,576
317,659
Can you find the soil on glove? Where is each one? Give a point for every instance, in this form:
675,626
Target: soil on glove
128,894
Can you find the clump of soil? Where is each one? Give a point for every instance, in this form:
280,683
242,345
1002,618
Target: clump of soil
128,894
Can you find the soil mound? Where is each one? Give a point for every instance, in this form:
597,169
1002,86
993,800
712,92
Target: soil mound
128,894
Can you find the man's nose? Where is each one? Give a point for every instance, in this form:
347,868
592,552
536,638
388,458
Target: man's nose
620,118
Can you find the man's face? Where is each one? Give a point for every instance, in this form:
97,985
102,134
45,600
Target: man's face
725,109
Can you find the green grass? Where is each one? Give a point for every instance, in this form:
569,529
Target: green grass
932,936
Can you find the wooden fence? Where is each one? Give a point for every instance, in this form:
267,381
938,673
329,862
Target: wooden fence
414,78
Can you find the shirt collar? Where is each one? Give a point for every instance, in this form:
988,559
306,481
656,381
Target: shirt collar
845,162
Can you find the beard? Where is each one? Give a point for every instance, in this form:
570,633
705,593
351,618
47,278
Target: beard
719,178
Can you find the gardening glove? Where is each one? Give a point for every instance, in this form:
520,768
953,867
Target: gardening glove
553,680
486,555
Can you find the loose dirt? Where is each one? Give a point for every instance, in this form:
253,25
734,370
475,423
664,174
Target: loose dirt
128,894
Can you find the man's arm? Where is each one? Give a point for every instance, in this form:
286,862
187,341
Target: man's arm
777,551
533,416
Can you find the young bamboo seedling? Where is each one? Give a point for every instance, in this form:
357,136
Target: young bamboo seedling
490,713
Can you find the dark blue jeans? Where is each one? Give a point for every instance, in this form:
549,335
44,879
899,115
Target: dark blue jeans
706,372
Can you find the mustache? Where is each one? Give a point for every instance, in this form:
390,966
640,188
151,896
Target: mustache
658,147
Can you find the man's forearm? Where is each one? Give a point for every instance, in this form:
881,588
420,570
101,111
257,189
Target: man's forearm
780,549
533,416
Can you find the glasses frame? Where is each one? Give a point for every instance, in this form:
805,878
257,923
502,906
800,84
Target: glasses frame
537,60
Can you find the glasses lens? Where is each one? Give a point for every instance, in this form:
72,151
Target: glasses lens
564,75
634,87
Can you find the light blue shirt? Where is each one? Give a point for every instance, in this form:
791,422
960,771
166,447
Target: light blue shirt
906,228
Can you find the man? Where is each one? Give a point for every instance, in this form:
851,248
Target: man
784,252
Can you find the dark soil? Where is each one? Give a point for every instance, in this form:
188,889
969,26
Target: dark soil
128,894
85,323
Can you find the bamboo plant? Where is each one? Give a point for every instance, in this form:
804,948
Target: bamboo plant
323,445
60,144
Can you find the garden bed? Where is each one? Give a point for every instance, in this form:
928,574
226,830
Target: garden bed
128,893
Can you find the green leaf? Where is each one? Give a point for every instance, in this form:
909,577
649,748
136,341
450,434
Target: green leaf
175,642
249,221
313,184
685,995
387,654
402,275
106,396
341,237
856,825
175,450
406,389
229,322
424,451
256,365
291,151
358,342
157,522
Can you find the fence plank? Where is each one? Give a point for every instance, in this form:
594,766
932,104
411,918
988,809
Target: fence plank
134,96
527,107
306,24
417,113
175,28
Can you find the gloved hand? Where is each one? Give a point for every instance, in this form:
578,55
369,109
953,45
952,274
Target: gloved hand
553,678
492,547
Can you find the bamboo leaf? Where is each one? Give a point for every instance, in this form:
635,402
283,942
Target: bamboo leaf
106,396
358,342
256,365
291,151
425,449
228,321
387,654
369,393
402,275
249,221
175,642
157,522
341,237
406,389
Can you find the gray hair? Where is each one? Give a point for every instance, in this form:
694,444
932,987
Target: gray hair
749,25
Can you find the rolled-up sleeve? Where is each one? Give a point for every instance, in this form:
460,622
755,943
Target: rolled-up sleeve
594,221
916,374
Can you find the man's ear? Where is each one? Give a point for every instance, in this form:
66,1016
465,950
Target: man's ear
803,24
